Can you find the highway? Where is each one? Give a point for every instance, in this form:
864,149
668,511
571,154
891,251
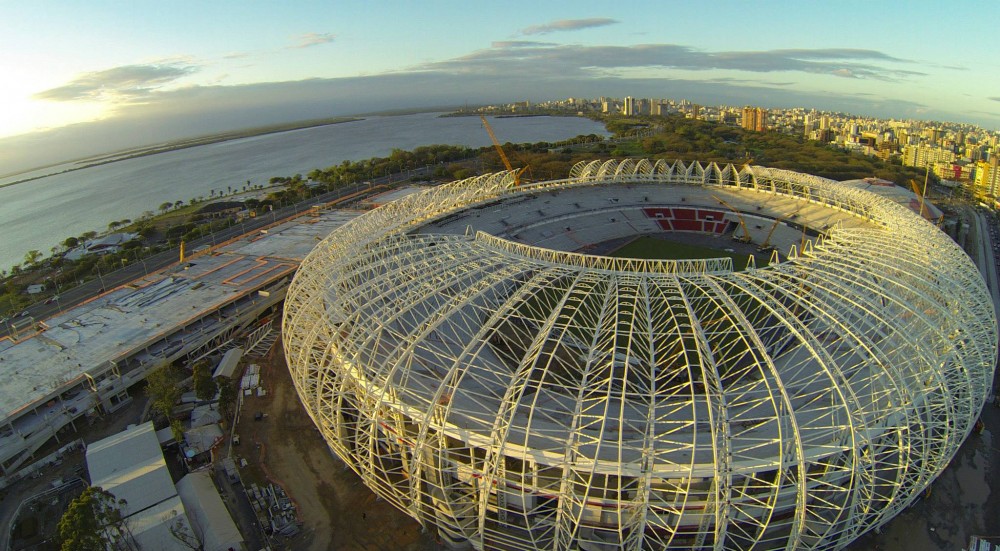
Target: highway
984,236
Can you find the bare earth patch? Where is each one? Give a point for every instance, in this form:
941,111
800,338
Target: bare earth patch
337,511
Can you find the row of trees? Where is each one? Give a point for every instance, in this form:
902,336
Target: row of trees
676,137
671,137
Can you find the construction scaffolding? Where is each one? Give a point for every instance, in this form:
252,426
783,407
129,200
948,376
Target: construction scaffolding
514,394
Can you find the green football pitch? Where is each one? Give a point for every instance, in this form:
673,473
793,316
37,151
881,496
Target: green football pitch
651,248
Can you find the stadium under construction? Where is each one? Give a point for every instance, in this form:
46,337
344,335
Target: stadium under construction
463,353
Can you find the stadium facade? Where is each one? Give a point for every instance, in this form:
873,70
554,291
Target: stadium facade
461,351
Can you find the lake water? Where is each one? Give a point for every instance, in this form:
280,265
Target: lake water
41,213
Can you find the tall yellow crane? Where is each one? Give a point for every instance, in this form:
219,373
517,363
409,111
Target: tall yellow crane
503,156
917,192
767,240
743,224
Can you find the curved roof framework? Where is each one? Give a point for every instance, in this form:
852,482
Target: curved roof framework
514,395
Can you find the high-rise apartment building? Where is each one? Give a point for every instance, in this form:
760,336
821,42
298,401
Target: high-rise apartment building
923,155
628,108
754,118
987,180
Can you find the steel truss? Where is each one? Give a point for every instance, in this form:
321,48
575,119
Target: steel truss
516,397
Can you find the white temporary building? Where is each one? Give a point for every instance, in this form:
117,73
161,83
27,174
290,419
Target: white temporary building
131,466
209,517
230,360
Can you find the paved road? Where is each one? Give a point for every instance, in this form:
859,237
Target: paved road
983,234
68,298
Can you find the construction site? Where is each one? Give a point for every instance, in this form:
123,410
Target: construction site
76,378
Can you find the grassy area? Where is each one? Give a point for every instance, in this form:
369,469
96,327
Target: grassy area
652,248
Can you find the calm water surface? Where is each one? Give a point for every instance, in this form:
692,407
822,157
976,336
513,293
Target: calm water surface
41,213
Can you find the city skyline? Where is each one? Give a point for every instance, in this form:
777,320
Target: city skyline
89,75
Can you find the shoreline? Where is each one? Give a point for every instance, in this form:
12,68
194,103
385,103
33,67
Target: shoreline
186,143
206,140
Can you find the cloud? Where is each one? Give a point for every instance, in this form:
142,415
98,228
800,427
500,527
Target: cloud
198,110
313,39
520,44
124,83
994,98
520,70
560,61
568,25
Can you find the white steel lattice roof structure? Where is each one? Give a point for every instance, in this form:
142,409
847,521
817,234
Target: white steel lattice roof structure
480,375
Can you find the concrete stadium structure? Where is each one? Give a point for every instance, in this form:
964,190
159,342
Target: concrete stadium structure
87,360
460,352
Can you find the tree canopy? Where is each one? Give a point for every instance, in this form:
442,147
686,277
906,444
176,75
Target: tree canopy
162,386
95,522
204,385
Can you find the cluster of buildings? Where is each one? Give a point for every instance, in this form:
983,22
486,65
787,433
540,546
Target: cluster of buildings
963,156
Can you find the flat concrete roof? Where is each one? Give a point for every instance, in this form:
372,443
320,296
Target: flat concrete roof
392,195
898,194
114,326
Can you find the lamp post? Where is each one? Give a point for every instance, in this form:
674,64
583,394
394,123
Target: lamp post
99,276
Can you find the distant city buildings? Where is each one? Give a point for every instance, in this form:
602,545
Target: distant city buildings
628,108
923,155
961,154
754,118
986,180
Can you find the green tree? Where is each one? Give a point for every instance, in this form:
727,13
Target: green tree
70,242
204,384
32,257
177,429
227,395
95,522
164,207
162,386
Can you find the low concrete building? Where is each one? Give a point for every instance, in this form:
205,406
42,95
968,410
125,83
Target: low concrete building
85,359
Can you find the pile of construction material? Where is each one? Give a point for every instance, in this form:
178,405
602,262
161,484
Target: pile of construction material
274,508
251,381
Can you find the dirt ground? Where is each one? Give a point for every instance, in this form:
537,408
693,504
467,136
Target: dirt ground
337,511
962,501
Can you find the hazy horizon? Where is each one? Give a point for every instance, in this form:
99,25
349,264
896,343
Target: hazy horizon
85,79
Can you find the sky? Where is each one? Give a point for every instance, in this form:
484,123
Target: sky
85,77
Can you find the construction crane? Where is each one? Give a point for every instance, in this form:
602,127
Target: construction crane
770,233
916,191
743,223
503,156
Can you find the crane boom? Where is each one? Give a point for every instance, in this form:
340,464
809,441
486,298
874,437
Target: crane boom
917,192
503,156
746,231
767,240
